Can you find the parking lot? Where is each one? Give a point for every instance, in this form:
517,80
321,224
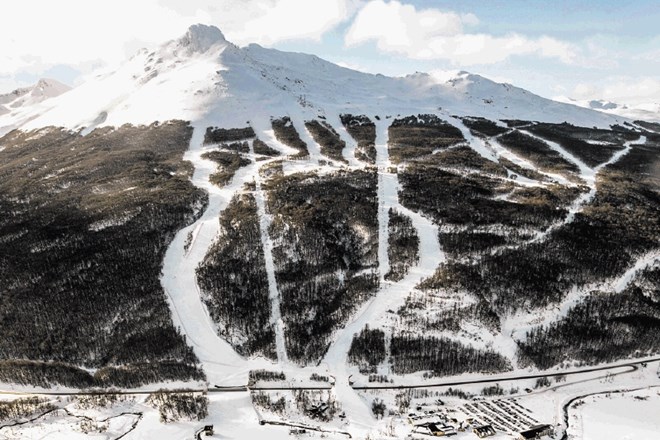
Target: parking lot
505,415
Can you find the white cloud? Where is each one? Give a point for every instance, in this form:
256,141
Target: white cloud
74,32
651,55
433,34
401,28
269,21
293,19
622,90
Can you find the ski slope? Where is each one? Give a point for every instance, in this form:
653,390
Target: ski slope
267,245
587,174
179,278
391,295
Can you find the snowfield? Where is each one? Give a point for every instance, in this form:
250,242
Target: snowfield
622,415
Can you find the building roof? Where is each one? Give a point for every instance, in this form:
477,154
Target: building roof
485,429
535,431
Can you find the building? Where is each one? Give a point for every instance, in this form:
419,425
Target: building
441,430
318,409
206,430
435,429
535,432
484,431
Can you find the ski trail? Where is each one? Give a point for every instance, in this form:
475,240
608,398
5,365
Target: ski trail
179,279
501,151
267,244
589,177
316,155
524,322
586,173
642,263
313,147
387,198
351,144
391,296
504,342
474,142
265,133
619,154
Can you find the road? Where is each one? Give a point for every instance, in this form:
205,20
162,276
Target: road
633,365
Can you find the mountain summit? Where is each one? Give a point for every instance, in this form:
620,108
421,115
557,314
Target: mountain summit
203,76
200,38
647,111
44,89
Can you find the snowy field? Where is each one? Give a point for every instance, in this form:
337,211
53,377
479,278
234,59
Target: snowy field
626,416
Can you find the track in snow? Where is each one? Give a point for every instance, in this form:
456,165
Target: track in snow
391,295
587,174
524,163
220,361
267,245
351,144
179,280
554,313
387,198
515,327
642,263
313,148
476,143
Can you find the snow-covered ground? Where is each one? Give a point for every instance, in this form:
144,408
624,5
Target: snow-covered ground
642,263
476,143
221,363
267,245
633,415
391,295
515,327
622,401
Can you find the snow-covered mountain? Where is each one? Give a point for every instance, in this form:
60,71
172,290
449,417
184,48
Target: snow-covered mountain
44,89
324,244
649,111
203,76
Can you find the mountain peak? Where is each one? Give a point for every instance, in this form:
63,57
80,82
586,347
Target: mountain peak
200,38
44,89
49,87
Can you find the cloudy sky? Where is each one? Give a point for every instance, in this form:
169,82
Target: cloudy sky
583,49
